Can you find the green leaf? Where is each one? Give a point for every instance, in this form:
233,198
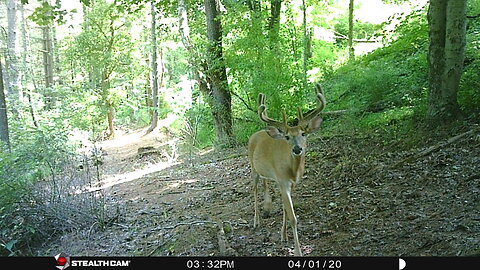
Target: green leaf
9,246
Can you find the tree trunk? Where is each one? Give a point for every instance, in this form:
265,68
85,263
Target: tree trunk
217,77
23,71
447,31
48,67
26,68
153,35
55,54
274,21
455,42
110,106
11,46
254,5
198,65
4,137
351,50
11,61
110,116
305,45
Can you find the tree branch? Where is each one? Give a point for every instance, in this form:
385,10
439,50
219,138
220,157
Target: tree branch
473,16
243,101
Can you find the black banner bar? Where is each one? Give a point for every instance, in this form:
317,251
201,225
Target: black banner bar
250,263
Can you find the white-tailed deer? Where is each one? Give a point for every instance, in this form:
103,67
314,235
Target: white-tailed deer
278,153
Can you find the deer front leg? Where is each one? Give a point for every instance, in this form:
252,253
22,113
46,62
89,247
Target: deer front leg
284,225
285,190
256,217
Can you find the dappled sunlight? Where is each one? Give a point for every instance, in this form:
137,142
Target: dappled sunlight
124,140
175,185
131,176
205,152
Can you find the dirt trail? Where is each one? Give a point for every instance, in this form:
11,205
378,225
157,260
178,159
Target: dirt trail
429,206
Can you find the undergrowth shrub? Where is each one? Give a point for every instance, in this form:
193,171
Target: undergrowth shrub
197,127
44,190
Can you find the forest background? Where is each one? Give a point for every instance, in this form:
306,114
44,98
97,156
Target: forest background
75,73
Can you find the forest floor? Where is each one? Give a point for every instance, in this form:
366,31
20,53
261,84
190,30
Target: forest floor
358,197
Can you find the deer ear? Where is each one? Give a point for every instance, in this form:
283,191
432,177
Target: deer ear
274,132
314,124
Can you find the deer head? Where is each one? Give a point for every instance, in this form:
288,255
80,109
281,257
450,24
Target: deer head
296,136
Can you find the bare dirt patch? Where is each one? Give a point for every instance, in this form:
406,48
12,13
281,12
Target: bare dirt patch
351,202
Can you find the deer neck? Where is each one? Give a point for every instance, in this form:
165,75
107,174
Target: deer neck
298,167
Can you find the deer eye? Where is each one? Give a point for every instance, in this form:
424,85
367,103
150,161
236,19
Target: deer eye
303,134
287,137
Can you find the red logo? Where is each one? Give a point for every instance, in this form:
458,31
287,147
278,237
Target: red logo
63,261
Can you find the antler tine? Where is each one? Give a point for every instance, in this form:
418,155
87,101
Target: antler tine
320,105
284,117
299,114
262,113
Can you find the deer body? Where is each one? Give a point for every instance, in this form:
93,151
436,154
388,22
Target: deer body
278,153
272,158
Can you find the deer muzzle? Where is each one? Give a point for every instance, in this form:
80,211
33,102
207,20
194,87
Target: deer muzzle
297,150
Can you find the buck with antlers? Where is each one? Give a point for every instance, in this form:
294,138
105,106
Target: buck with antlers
278,153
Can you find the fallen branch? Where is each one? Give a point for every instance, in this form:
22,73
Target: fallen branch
434,148
148,150
224,158
198,222
421,154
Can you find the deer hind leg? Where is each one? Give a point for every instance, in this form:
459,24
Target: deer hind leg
256,217
289,213
267,200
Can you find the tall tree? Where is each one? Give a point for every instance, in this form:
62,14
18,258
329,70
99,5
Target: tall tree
447,31
210,73
351,50
154,72
11,44
221,101
197,64
305,44
274,21
26,67
11,61
254,5
103,52
47,50
4,136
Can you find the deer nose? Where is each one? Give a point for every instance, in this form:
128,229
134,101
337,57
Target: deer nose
297,150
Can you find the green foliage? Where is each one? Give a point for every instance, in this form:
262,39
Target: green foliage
102,62
244,128
35,156
259,61
107,64
361,30
387,86
197,129
387,89
45,14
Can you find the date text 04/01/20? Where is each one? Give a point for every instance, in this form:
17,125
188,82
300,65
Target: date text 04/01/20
314,264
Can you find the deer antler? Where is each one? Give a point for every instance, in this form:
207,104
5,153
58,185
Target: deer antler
304,119
262,113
